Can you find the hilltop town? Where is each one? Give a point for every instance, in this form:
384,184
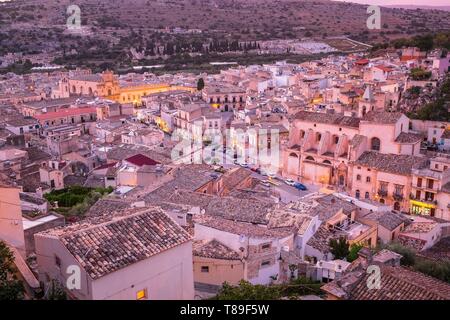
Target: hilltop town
189,186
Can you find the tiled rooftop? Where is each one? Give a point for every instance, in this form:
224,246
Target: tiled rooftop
103,247
214,249
409,137
241,228
388,220
382,117
399,283
336,119
391,163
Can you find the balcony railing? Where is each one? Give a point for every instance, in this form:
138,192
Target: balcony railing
426,200
382,193
397,196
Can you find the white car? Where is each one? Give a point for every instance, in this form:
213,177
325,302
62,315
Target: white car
243,165
289,182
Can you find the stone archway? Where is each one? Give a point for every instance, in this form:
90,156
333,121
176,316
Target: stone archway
342,172
293,165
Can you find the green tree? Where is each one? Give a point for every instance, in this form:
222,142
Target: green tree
56,291
200,84
353,254
408,254
339,248
10,287
247,291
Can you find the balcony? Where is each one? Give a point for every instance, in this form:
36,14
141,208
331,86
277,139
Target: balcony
397,196
424,200
382,193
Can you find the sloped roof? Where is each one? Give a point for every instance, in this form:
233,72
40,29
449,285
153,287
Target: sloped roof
392,163
140,160
106,247
214,249
399,283
326,118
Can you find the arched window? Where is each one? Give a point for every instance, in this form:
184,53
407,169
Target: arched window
357,194
367,179
367,195
336,139
309,158
375,144
382,201
358,177
294,155
74,90
90,91
302,133
326,161
318,137
397,206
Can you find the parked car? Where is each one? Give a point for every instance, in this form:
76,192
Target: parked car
243,165
300,186
289,182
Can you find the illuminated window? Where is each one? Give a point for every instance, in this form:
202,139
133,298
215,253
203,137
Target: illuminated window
141,295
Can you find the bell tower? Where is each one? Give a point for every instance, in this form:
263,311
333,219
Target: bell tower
367,103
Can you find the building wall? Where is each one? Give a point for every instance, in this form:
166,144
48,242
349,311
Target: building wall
29,233
11,227
443,206
47,249
127,178
386,133
165,276
220,271
47,176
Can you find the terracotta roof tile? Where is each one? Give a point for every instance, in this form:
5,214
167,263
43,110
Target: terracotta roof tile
214,249
106,247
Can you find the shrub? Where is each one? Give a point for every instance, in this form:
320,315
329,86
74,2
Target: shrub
246,291
339,248
408,254
353,254
439,270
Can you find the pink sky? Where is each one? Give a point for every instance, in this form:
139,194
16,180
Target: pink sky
404,2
